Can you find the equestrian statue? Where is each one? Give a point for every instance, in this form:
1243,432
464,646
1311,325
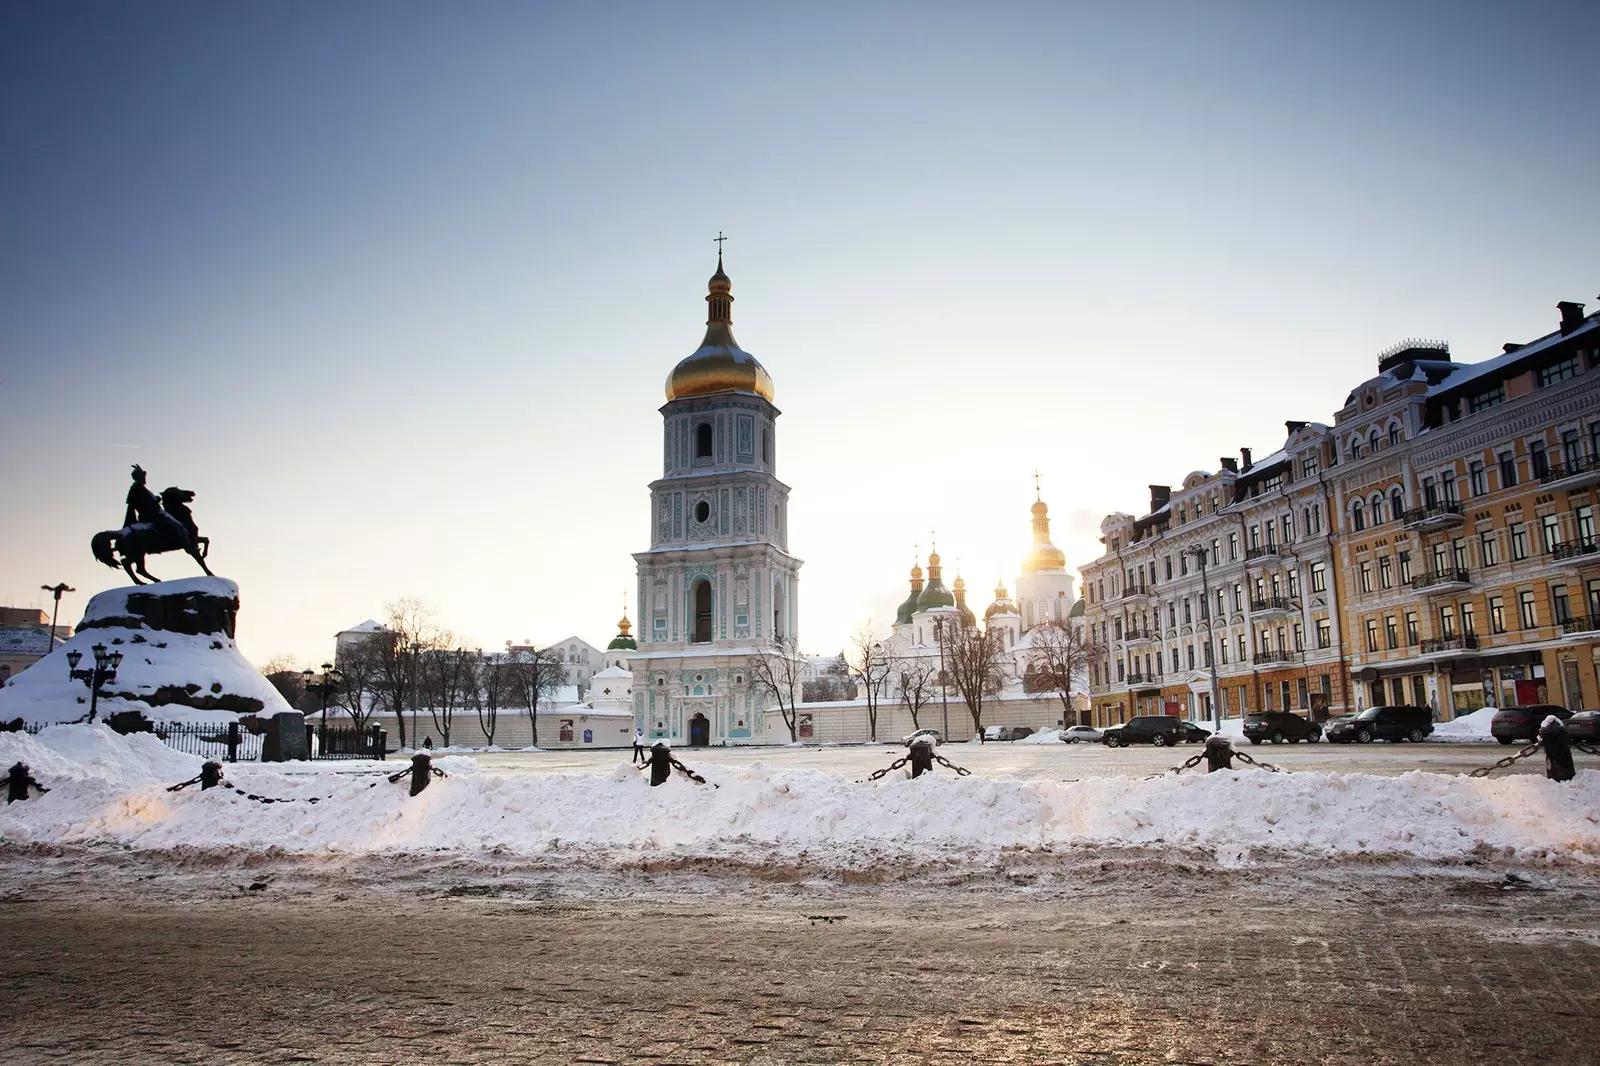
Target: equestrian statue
150,526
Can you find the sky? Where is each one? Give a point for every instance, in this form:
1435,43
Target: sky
394,287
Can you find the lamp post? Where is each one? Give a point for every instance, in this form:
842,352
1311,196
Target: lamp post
104,670
56,590
1205,600
323,688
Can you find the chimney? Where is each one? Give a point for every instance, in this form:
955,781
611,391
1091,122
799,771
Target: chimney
1160,496
1244,460
1571,315
1509,347
1230,464
1294,427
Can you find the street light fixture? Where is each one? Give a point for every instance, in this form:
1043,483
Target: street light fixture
55,590
324,688
103,671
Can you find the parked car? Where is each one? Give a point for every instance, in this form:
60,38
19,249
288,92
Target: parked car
1087,734
1279,726
1585,726
1007,732
910,738
1511,724
1381,723
1158,729
1193,734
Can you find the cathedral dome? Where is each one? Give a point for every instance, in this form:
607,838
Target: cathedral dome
624,639
719,364
934,594
1043,555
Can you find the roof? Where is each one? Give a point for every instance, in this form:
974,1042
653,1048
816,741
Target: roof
1465,375
24,640
612,671
369,626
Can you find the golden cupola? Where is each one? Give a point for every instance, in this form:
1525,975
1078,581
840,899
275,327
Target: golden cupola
1043,555
719,364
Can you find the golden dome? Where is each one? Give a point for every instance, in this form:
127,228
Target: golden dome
719,364
1043,555
624,625
1039,508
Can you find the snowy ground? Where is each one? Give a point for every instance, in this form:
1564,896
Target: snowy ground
769,815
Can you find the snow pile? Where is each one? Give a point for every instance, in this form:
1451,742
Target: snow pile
1043,736
167,674
1467,729
110,790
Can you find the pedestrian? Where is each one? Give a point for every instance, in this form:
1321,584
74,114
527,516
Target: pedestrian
427,742
639,755
19,781
1557,744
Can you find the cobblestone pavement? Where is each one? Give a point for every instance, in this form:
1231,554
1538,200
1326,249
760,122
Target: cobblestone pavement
1052,762
1132,966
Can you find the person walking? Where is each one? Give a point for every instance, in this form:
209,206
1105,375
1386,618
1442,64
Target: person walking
639,754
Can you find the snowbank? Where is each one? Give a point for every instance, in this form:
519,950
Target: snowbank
111,790
1043,736
1468,729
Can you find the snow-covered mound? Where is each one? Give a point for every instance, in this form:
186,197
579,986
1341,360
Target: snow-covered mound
110,790
1043,736
1468,729
179,659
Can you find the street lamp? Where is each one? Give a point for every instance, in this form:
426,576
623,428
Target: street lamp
324,688
1211,655
104,670
56,590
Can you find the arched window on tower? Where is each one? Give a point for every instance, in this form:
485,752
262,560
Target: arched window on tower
702,613
702,441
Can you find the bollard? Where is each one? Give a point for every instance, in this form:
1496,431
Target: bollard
210,775
1218,753
18,781
921,756
421,771
660,763
1557,744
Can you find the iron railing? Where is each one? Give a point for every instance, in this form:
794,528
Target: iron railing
1464,642
1573,548
1443,509
1441,577
1272,603
1561,471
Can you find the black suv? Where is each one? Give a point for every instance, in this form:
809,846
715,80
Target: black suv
1158,729
1279,726
1382,723
1511,724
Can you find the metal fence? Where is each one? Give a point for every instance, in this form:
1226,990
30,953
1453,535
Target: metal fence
222,742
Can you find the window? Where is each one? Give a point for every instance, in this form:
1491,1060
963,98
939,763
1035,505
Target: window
1583,517
1567,368
1537,457
1430,492
702,613
1355,447
1593,590
1372,441
1358,516
1372,634
1391,632
1526,611
1440,558
1397,504
1447,488
1561,606
1366,577
1188,655
1413,634
1377,510
1447,622
1238,596
702,441
1486,399
1386,572
1167,566
1224,646
1405,568
1594,439
1497,614
1319,577
1508,469
1233,546
1216,552
1519,541
1299,637
766,445
1550,527
1477,479
1458,553
1571,448
1308,466
1255,536
1489,548
1294,583
1469,624
1221,611
1324,633
1187,619
1175,658
1244,651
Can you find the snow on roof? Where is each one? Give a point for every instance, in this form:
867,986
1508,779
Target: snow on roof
369,626
612,671
24,640
1471,372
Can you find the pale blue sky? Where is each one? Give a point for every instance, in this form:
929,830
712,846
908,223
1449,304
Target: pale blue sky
395,287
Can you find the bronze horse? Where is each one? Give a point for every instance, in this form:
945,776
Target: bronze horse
152,526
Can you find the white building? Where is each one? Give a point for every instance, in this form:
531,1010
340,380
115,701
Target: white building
717,586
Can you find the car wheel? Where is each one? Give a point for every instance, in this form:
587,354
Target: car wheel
1312,738
1277,736
1415,736
1364,736
1160,740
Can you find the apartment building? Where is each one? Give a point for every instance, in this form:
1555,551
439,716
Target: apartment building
1436,544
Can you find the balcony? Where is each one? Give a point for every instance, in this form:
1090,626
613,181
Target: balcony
1135,635
1582,471
1574,549
1272,605
1465,642
1580,625
1271,555
1446,515
1136,592
1265,658
1441,581
1136,679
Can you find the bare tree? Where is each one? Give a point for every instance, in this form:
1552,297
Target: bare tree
869,665
359,670
975,660
533,675
779,672
1059,656
283,673
917,677
834,684
446,674
410,632
493,690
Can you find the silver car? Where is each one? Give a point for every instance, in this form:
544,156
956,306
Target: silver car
1087,734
